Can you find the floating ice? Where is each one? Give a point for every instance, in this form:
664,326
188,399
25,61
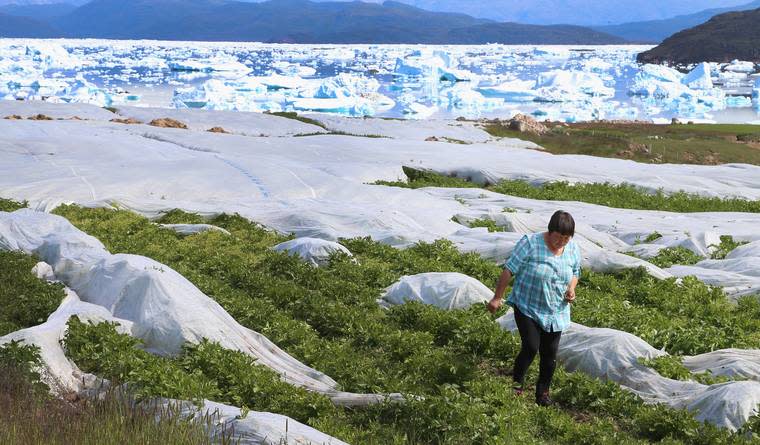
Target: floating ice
442,80
740,66
511,91
562,86
209,65
699,78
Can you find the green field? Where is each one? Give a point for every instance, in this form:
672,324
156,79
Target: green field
642,142
457,361
623,196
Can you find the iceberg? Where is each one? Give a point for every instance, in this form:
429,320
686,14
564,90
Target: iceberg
563,86
740,66
699,78
210,65
511,91
51,56
437,65
738,101
243,95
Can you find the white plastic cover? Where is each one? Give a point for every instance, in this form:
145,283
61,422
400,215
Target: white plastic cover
192,229
314,251
613,355
445,290
165,309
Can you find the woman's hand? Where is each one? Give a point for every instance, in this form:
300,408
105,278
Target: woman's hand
570,295
494,304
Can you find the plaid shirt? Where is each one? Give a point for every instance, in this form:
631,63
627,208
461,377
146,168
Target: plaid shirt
541,280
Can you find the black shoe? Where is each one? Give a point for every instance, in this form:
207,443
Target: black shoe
543,399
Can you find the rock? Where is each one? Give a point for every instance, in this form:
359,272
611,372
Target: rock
217,130
526,124
13,117
40,117
130,121
166,122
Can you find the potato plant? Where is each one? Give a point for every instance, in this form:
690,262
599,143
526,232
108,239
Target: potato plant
456,363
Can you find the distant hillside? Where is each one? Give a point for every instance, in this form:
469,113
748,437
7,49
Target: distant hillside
734,35
575,12
519,34
655,31
13,26
301,21
38,11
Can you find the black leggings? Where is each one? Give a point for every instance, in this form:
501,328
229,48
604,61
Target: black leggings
535,339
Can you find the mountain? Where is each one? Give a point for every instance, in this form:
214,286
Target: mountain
576,12
733,35
13,26
302,21
41,2
656,31
521,34
38,11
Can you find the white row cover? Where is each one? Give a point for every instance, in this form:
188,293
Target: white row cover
314,251
317,186
605,234
192,229
738,273
63,376
165,309
445,290
613,355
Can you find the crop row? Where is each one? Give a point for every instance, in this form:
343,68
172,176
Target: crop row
458,361
623,196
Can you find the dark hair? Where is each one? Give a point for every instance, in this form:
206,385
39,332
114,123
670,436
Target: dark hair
562,222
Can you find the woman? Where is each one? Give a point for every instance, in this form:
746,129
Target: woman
546,267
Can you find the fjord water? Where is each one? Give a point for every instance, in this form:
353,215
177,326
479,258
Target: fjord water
398,81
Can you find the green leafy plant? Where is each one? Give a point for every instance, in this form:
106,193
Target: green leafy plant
25,300
455,364
727,244
672,367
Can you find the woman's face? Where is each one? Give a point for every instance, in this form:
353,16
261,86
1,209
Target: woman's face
558,240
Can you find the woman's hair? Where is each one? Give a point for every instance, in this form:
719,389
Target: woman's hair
562,223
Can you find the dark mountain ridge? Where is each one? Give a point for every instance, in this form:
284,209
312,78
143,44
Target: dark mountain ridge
302,21
725,37
655,31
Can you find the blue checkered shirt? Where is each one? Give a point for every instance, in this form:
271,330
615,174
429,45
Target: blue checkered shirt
541,279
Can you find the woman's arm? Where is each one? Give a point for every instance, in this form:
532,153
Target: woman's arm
501,286
570,293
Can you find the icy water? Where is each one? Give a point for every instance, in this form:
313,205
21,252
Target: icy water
401,81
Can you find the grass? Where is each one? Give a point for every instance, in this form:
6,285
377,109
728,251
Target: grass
623,196
30,415
293,115
682,144
457,361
